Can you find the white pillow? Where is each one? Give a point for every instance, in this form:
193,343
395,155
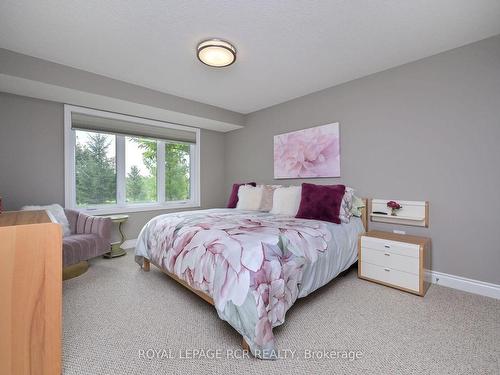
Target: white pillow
57,213
286,200
249,197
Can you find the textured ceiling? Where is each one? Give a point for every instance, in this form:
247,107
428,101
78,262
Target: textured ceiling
285,48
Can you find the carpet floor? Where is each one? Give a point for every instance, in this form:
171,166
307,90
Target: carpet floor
120,320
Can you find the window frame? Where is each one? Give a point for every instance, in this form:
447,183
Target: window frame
121,205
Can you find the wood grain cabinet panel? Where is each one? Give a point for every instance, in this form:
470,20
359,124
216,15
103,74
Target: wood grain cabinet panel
31,294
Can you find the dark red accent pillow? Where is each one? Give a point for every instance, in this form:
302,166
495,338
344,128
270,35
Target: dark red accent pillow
233,198
321,202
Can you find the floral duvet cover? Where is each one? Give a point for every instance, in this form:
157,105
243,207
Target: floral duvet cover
254,265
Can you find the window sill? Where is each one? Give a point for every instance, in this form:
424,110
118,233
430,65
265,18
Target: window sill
138,208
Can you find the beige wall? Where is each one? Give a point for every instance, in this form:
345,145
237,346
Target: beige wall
428,130
32,159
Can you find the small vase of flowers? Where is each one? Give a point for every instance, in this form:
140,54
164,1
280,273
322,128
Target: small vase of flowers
394,207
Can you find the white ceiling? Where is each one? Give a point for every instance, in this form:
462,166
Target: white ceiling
286,48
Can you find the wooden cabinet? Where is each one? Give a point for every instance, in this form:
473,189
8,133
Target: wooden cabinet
30,293
395,260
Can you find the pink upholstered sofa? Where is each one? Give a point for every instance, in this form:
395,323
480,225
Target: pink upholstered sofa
90,237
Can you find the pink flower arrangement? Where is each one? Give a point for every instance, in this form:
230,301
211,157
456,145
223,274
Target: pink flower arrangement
394,206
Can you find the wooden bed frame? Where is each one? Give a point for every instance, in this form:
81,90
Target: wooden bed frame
147,266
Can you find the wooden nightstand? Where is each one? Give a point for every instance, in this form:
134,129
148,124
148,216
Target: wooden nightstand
395,260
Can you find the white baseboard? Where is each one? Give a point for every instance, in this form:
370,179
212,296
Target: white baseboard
129,244
465,284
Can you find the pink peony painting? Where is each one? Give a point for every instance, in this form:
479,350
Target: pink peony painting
308,153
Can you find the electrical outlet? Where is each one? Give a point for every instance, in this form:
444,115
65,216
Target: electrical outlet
399,231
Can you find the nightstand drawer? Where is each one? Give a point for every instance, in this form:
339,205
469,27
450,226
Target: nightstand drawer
388,259
390,276
394,247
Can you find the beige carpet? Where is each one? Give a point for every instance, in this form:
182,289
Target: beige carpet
115,312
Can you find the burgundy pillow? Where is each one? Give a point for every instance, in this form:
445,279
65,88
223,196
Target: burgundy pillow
233,198
321,202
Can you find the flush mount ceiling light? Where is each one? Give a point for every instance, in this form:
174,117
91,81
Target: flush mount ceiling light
217,53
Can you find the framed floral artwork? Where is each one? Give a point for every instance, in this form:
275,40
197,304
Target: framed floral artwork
308,153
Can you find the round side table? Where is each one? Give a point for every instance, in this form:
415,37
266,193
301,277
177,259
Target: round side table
116,250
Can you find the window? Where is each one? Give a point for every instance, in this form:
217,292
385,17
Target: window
117,163
140,169
95,172
177,168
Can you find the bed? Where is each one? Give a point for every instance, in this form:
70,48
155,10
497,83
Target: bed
252,266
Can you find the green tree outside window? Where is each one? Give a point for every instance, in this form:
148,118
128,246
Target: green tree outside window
95,171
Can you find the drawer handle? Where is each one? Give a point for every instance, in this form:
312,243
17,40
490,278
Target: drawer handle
387,254
387,246
387,269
